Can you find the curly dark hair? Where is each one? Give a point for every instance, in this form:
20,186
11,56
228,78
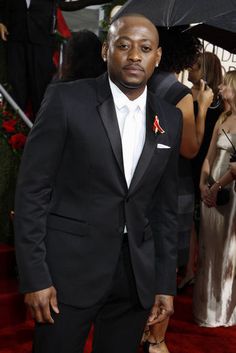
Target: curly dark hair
179,48
82,57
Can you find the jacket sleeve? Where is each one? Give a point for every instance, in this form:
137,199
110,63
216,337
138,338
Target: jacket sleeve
42,154
164,220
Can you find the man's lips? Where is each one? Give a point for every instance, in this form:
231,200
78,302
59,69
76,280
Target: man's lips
133,68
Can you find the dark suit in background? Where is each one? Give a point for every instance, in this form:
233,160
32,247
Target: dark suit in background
29,48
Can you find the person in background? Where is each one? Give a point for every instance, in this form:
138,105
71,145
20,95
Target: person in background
83,58
27,27
214,300
232,167
99,169
208,67
179,52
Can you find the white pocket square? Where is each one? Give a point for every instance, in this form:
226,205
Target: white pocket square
160,145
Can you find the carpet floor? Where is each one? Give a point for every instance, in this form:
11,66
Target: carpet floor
183,336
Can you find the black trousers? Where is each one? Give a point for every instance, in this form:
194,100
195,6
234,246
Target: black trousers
30,69
118,319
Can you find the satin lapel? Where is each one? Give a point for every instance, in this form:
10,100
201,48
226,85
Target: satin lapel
108,115
151,140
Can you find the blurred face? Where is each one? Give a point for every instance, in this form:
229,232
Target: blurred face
132,53
227,93
195,74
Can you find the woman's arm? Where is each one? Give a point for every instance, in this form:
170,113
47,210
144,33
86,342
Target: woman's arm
218,185
232,168
193,130
206,167
226,179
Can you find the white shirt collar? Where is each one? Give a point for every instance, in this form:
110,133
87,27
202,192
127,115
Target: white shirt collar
121,100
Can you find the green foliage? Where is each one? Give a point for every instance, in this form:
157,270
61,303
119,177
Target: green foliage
108,7
9,159
12,129
107,10
9,164
12,138
13,134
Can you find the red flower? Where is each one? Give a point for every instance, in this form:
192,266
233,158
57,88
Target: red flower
9,125
17,141
7,113
156,126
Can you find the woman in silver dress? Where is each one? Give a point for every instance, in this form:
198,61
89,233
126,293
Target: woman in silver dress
214,302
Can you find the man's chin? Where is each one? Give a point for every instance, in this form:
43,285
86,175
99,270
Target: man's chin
132,84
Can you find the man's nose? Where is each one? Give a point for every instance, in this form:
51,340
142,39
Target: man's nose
135,54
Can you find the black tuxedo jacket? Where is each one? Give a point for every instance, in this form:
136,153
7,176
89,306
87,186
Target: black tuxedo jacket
72,201
34,24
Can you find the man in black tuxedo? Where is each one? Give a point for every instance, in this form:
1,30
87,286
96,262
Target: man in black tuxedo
99,172
27,27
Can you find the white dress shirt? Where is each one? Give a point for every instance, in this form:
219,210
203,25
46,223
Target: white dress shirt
138,106
28,3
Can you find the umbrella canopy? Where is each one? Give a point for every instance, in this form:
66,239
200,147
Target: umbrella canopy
217,36
75,5
170,13
226,21
220,31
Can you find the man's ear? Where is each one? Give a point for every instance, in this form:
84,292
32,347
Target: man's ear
104,51
158,55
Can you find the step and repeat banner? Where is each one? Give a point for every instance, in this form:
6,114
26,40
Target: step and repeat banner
228,60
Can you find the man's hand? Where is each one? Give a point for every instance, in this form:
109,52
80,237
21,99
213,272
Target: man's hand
40,303
162,309
3,32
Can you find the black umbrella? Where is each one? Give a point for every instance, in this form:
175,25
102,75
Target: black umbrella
170,13
75,5
220,31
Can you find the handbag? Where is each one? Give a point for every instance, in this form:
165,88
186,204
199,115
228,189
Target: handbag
223,195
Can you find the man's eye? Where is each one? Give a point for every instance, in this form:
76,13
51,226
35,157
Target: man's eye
146,49
123,46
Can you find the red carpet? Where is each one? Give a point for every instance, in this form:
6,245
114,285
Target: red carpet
184,336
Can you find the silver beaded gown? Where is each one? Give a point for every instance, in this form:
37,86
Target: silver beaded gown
214,300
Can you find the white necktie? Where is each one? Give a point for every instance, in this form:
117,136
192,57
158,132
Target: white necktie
128,143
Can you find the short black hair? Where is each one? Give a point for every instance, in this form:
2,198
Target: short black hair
116,20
